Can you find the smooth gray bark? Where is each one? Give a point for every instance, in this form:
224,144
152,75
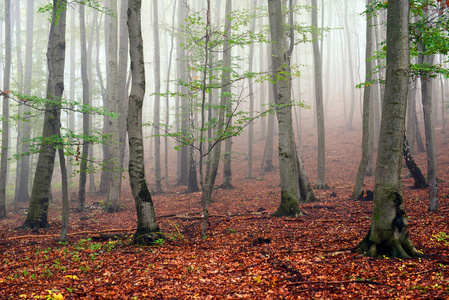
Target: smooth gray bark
112,203
147,228
249,162
388,234
157,187
227,155
23,195
40,194
367,99
321,166
289,205
5,115
86,116
351,69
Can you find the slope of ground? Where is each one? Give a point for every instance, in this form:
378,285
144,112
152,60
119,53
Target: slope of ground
247,254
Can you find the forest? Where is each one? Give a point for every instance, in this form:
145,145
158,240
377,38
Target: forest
219,149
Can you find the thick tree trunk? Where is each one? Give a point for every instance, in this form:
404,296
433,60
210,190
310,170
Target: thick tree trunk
367,99
40,194
281,64
5,113
147,228
388,234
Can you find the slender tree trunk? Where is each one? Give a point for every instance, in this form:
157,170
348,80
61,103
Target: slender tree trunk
86,116
167,98
227,155
157,187
411,113
112,203
147,228
367,99
38,209
65,197
321,181
5,116
208,187
184,106
388,234
249,168
23,194
351,69
429,125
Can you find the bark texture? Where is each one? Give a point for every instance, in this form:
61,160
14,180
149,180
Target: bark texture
147,229
40,194
388,234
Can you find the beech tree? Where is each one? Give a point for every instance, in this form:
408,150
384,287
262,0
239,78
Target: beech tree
147,228
38,208
388,234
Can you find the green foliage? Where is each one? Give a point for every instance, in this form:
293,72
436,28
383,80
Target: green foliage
428,36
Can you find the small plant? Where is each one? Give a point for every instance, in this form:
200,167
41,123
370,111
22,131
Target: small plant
441,237
159,242
232,230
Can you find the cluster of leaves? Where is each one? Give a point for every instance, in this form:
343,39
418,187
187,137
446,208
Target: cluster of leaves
428,36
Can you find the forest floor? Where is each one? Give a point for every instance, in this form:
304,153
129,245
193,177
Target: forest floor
248,254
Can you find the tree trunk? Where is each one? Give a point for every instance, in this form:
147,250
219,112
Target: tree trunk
167,98
249,162
40,194
266,165
157,187
320,181
147,228
367,99
429,125
388,234
112,203
86,116
420,180
281,64
183,158
351,69
5,115
23,194
227,155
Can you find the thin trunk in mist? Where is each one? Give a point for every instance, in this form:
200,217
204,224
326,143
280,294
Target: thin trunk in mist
40,194
5,113
22,193
157,187
367,101
249,168
351,70
443,110
93,83
112,203
19,80
147,228
429,125
208,187
106,90
86,116
411,113
318,76
72,80
183,116
167,97
415,171
65,197
227,155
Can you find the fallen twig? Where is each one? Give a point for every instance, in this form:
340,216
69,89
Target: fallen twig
337,282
